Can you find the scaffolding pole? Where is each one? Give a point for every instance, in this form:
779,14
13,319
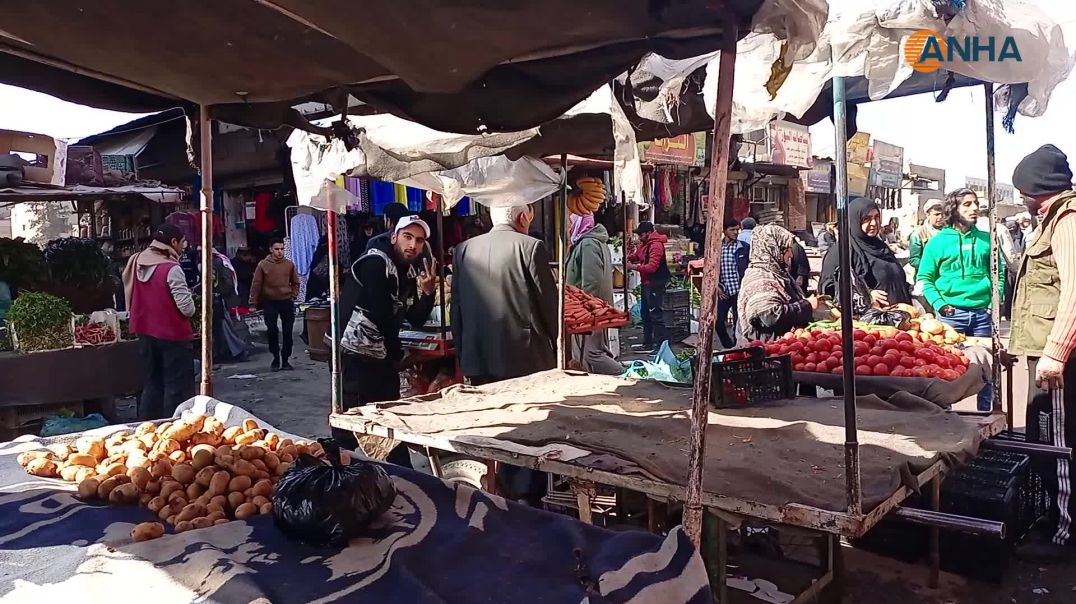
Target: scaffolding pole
851,433
715,218
560,219
995,266
336,397
205,142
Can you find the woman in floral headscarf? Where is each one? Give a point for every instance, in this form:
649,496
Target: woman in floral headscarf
771,303
590,268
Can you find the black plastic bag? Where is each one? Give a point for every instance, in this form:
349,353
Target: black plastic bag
329,503
892,318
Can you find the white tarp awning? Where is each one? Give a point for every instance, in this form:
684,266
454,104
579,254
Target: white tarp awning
869,43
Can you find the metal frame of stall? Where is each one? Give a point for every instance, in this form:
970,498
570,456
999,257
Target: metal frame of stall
694,501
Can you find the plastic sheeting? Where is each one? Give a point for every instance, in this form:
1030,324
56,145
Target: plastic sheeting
870,44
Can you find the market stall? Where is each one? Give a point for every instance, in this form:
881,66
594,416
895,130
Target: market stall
437,540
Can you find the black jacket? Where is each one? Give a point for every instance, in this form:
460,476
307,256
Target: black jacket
373,292
504,305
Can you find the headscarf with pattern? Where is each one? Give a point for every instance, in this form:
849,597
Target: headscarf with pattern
767,280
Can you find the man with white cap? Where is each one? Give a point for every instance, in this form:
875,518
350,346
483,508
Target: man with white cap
932,224
1044,330
389,283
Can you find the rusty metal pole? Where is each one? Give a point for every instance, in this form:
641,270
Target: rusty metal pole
336,395
624,252
995,265
205,136
851,432
700,399
560,219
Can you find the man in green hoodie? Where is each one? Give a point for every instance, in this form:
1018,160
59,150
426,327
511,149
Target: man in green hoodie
955,272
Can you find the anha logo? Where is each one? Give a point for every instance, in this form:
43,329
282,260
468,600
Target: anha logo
928,51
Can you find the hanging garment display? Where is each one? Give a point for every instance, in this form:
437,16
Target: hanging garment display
304,240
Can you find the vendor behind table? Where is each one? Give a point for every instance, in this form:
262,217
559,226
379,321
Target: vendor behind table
590,268
771,303
389,283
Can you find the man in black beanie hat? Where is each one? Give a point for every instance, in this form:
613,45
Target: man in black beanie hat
1044,329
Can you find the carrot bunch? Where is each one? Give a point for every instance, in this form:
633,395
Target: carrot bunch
585,313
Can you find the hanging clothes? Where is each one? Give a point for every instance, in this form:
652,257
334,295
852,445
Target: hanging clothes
381,195
262,222
304,240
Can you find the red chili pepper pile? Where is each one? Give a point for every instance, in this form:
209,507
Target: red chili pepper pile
94,334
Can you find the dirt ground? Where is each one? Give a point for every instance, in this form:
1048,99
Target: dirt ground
298,401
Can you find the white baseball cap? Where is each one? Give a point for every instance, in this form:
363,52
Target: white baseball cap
407,221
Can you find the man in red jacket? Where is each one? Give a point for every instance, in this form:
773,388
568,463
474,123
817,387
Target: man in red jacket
649,259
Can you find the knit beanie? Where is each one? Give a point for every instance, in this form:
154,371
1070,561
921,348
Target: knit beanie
1043,172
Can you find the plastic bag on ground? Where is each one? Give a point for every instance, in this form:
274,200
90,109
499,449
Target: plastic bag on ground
329,503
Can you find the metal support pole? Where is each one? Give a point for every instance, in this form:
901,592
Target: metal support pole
951,522
715,217
851,433
935,534
336,396
205,141
995,266
1026,448
624,251
560,219
441,269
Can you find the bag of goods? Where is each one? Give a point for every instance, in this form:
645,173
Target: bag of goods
192,473
96,329
329,503
892,318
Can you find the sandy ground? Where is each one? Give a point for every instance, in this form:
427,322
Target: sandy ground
299,402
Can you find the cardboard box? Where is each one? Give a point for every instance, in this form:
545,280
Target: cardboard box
49,161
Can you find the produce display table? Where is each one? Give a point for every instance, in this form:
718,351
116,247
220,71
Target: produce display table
71,374
439,542
782,462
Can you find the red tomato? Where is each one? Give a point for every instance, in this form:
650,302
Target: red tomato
797,366
861,348
889,344
947,375
892,353
810,367
838,354
837,370
873,360
870,339
796,346
864,370
903,336
943,361
906,346
920,363
881,369
782,349
960,370
816,332
899,371
907,362
877,350
834,342
797,359
832,362
858,334
926,354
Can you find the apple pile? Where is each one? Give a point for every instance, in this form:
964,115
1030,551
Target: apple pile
892,354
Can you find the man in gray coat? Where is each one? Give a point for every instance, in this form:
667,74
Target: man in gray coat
504,301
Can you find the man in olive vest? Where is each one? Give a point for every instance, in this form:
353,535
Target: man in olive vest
1044,329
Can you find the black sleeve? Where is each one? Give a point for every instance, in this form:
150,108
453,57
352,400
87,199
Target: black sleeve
780,319
827,280
377,302
420,311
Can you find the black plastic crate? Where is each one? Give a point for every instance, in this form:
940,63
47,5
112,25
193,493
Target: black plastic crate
755,379
676,298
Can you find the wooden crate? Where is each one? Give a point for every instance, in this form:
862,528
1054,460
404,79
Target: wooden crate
16,420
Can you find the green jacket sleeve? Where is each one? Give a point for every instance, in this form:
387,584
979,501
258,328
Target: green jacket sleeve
928,273
591,267
915,251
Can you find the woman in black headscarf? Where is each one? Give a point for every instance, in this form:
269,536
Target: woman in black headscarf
878,279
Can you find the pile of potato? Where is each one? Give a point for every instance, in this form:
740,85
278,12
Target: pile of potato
193,473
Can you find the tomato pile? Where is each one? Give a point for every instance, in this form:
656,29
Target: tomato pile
819,351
